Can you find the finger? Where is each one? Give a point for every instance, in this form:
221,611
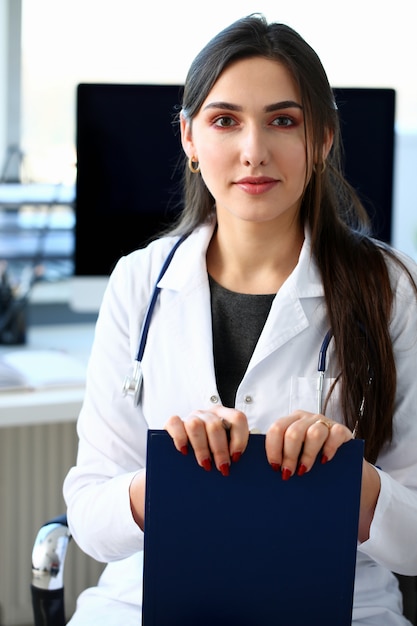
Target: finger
316,435
227,434
196,429
237,429
284,441
323,438
175,427
339,434
274,441
294,440
218,439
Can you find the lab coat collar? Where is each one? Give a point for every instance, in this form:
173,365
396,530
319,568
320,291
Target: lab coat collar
305,279
288,317
189,267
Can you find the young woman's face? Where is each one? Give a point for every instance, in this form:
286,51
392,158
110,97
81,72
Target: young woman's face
249,140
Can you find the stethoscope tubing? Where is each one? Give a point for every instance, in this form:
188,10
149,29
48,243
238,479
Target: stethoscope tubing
321,368
154,297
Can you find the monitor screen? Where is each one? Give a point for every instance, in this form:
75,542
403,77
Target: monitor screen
367,120
129,170
129,178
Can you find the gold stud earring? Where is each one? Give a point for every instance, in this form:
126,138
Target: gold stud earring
193,164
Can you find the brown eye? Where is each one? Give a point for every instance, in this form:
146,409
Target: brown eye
283,120
225,121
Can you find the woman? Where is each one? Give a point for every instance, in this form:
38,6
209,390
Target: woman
277,252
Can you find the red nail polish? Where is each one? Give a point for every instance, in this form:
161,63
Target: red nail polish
286,473
276,467
224,468
184,450
236,456
301,469
206,464
324,459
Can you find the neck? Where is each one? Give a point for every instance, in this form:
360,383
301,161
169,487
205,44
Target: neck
254,258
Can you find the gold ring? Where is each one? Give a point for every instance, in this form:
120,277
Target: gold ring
226,424
325,422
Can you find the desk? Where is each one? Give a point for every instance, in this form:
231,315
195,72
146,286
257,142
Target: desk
47,406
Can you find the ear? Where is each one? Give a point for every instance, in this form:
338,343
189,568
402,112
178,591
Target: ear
186,137
327,145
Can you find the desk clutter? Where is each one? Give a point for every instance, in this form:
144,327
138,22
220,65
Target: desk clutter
31,369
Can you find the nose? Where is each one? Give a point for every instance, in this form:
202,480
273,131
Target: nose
254,151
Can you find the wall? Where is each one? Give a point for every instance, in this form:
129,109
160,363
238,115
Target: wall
405,193
10,85
3,79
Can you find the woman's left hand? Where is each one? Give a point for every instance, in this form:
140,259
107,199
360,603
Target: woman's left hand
294,442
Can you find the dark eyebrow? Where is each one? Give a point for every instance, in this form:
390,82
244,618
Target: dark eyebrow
285,104
223,105
276,106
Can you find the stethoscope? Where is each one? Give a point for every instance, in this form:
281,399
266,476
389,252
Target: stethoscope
321,369
132,384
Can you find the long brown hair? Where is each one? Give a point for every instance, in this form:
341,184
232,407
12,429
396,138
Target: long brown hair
353,266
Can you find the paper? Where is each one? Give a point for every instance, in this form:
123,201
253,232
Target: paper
249,549
33,369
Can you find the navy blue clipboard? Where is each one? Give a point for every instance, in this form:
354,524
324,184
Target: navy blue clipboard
249,549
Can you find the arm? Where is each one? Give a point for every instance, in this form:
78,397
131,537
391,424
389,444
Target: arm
137,498
392,537
112,434
371,486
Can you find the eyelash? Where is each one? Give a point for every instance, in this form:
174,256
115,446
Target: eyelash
286,118
289,121
218,121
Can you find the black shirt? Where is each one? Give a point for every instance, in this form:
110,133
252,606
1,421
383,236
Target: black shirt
238,320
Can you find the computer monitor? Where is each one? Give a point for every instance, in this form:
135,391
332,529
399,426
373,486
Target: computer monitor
128,183
367,118
128,177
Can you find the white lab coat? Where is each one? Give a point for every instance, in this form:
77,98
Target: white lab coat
179,377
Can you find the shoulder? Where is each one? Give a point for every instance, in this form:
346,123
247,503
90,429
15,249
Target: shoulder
147,261
402,271
401,267
138,271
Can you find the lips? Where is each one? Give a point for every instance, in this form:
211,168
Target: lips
256,185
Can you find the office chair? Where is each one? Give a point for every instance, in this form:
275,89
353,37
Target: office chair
48,558
47,588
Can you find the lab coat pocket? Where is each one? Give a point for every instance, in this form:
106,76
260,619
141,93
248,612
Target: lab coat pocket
305,395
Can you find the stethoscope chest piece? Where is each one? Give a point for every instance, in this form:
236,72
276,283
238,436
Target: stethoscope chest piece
132,385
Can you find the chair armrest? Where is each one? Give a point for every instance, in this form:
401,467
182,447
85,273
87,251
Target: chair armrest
49,552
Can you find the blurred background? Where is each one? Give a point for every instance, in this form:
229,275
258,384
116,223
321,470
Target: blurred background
47,47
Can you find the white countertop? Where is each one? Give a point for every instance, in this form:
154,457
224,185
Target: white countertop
54,404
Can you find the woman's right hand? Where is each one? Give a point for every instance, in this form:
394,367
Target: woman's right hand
218,436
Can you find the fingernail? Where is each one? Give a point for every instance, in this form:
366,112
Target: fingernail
236,456
324,459
276,467
224,468
286,473
301,469
206,464
184,450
